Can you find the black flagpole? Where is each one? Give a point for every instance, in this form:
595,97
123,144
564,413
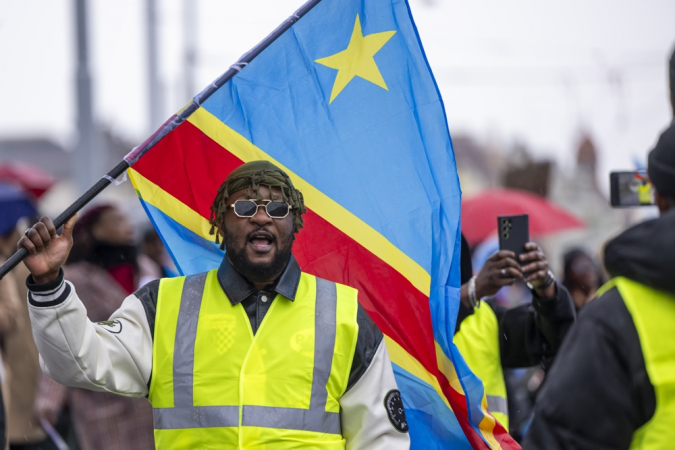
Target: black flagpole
165,129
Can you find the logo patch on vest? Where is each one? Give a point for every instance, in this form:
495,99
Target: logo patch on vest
223,325
395,411
111,326
303,342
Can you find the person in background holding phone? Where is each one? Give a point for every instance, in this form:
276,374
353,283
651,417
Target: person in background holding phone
491,337
613,383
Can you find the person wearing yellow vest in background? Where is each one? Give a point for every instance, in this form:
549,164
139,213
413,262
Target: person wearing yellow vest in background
255,354
613,383
644,191
491,337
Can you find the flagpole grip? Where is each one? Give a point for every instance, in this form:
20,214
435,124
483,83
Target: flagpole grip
70,211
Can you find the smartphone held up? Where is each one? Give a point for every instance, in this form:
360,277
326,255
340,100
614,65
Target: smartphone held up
628,189
514,233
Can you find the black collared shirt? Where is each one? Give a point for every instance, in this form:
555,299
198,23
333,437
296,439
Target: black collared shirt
256,303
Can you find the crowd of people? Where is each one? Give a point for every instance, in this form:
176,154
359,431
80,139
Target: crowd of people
102,305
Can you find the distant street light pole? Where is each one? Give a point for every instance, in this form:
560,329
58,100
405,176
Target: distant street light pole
155,117
189,47
87,155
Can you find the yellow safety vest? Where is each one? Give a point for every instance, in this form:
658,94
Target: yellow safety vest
653,314
645,195
216,385
478,342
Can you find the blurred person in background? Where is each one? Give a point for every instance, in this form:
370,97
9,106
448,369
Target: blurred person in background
492,338
672,82
105,268
10,304
613,383
153,247
20,355
581,276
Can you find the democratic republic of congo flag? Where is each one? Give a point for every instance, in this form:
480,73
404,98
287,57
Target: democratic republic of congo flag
342,99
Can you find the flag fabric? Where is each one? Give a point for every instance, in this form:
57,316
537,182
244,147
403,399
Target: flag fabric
345,102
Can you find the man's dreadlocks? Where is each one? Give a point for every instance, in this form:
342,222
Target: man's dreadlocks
252,175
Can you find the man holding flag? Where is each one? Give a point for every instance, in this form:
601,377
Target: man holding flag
203,350
341,98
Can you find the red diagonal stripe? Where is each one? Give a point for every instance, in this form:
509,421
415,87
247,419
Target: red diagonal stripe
189,165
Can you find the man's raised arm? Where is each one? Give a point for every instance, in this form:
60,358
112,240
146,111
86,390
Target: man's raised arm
112,356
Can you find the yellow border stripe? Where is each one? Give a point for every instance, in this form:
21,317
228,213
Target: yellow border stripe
169,205
487,424
447,368
320,203
405,360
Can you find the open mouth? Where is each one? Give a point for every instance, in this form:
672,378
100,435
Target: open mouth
261,241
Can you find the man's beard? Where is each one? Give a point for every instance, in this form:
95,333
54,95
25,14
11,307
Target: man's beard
258,272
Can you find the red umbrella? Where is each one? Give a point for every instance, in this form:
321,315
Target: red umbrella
30,178
479,213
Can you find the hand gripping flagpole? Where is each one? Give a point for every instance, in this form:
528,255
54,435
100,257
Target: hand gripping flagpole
165,129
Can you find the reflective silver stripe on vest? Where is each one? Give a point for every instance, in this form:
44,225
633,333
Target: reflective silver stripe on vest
291,419
196,417
497,404
186,335
325,318
185,415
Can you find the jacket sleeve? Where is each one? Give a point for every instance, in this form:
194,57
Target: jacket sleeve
598,392
532,334
112,356
371,411
367,423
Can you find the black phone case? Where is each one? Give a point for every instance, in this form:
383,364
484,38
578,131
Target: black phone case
514,233
614,190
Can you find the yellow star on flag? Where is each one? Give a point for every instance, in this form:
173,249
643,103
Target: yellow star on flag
357,60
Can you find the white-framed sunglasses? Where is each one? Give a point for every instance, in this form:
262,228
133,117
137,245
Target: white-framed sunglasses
249,208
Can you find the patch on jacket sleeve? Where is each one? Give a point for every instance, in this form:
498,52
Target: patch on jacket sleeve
112,326
395,411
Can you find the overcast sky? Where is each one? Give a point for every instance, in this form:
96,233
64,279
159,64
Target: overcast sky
528,71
